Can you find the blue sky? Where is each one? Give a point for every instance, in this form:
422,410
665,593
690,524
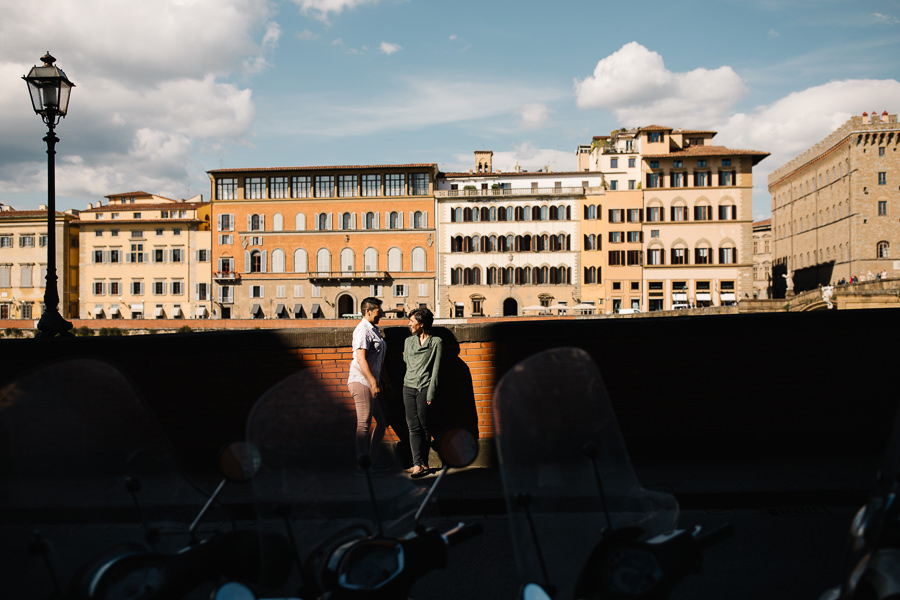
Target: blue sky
169,89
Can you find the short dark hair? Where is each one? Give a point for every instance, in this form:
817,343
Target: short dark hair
369,303
423,316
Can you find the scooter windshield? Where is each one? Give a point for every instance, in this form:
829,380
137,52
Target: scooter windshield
566,472
304,434
72,433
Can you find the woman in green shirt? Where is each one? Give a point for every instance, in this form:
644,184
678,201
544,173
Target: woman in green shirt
422,355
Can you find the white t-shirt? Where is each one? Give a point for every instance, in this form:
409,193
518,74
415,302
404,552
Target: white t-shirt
367,337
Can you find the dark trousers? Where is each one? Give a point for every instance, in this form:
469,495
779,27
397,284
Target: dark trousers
416,405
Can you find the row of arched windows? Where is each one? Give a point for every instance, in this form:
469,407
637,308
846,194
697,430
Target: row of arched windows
813,220
836,253
417,219
527,275
257,261
511,243
474,214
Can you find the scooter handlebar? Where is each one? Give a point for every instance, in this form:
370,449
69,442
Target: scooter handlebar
461,533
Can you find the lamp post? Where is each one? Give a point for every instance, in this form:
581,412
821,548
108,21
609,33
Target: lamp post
50,89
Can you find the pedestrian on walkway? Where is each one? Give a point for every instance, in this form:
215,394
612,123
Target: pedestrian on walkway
422,355
364,381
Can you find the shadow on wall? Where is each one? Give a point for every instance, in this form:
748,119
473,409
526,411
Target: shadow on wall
454,404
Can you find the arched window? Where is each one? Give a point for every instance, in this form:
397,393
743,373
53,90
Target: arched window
370,260
492,276
346,221
300,261
418,259
277,224
492,213
348,260
456,276
371,220
394,220
395,260
300,221
322,222
883,249
323,260
278,260
255,262
476,215
256,223
476,243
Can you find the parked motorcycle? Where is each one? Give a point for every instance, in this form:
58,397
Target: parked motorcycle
582,525
874,572
356,526
103,508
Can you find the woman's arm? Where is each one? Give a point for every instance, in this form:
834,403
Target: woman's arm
435,368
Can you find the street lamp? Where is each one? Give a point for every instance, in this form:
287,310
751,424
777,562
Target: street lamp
50,89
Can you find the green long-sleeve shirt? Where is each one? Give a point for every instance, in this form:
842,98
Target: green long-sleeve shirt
422,363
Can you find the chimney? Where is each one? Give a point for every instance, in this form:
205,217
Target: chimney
42,207
90,205
865,118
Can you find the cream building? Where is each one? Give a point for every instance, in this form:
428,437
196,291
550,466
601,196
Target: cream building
762,259
696,230
23,263
835,207
513,243
145,256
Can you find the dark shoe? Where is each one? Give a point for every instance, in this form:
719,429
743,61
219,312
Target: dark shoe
418,471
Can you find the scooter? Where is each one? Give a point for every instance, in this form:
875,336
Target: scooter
80,440
582,525
874,570
356,526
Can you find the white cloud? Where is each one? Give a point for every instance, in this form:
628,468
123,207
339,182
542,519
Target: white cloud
306,35
792,124
151,87
887,19
533,115
389,48
321,9
635,85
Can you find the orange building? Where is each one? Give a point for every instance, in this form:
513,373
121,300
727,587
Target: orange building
312,242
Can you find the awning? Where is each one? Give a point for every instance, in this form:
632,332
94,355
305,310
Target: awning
255,310
703,296
728,296
158,312
178,312
114,310
315,310
279,311
200,312
679,296
137,308
98,310
298,311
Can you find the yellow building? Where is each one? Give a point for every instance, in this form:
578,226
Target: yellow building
145,256
23,263
312,242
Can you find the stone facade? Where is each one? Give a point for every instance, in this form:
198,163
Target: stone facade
835,207
762,259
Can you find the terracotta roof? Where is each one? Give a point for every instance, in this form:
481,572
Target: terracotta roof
654,128
28,214
695,131
324,168
131,194
520,174
763,223
699,151
141,207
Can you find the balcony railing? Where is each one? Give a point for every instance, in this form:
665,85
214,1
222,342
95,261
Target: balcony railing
349,276
519,192
226,276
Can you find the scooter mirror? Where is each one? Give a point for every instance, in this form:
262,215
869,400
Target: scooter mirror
532,591
234,591
458,448
240,461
